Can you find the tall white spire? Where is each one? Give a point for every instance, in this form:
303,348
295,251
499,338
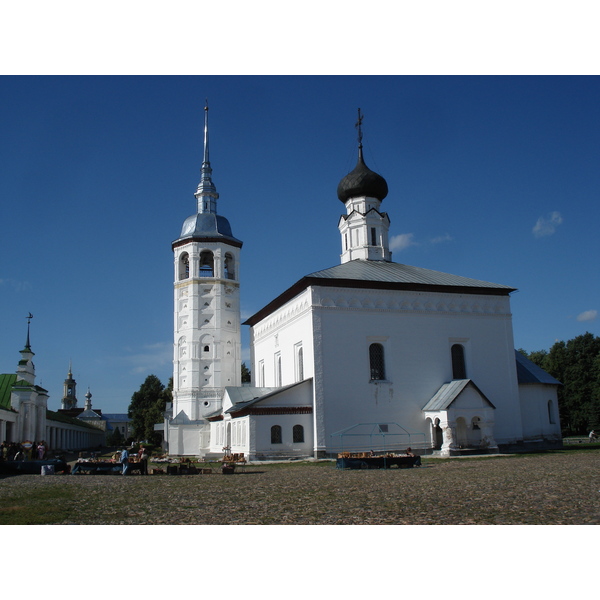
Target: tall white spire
207,322
206,194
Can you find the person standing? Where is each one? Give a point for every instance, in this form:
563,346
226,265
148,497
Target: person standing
143,461
592,436
125,461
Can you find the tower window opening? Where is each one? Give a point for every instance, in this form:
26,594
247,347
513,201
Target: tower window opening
207,264
373,236
184,266
229,267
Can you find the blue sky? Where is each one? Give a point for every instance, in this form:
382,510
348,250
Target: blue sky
490,177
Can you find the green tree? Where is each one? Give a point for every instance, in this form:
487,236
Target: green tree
115,438
246,375
147,407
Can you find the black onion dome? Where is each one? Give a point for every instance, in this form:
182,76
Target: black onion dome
362,182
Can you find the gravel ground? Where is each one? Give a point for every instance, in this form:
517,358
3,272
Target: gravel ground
557,488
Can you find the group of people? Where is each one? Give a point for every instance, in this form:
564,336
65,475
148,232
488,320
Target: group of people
142,459
25,451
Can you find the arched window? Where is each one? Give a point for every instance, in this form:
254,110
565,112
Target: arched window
229,267
184,266
376,361
207,264
298,434
276,434
459,370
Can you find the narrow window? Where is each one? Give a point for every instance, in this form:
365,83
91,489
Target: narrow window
299,363
276,434
278,369
373,236
346,240
261,373
458,362
298,434
376,362
551,417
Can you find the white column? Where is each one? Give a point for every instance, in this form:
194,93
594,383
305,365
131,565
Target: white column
449,433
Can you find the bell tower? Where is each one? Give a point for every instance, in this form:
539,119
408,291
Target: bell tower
69,399
207,324
364,229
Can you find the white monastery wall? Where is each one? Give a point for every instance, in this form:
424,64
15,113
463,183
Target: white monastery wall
252,434
417,331
280,336
539,406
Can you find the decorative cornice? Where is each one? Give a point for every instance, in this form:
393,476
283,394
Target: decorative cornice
357,284
210,240
418,303
273,410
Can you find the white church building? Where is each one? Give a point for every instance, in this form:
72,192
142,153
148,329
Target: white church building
367,354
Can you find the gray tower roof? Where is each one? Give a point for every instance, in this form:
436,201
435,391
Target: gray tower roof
206,224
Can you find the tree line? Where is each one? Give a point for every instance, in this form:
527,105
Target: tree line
576,364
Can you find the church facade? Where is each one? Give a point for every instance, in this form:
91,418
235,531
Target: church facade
367,354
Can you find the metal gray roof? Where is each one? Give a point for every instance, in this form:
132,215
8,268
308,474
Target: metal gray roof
529,372
247,396
449,392
383,275
391,272
116,416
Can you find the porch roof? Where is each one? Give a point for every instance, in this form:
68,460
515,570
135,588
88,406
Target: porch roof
449,392
246,396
